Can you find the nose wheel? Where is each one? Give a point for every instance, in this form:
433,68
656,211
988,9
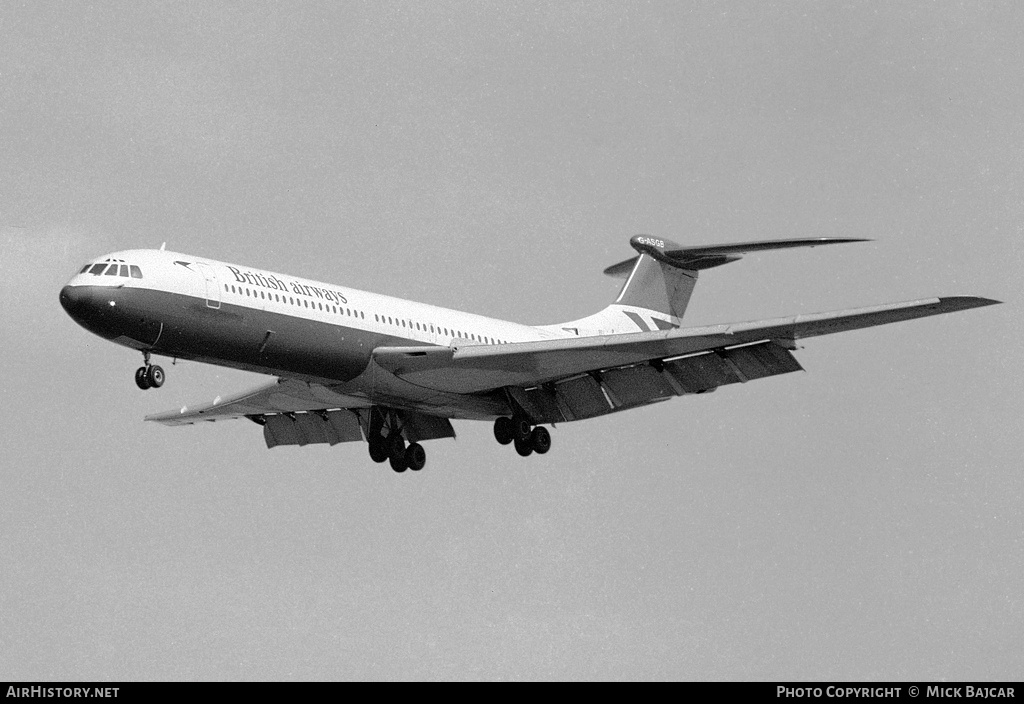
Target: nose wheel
149,376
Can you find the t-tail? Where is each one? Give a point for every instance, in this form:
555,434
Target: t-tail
660,281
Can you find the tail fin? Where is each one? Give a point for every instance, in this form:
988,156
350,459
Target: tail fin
660,281
656,286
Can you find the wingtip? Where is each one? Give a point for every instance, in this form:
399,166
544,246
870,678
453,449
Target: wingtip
964,302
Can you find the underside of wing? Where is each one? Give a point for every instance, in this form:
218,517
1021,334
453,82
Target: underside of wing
480,368
280,396
301,413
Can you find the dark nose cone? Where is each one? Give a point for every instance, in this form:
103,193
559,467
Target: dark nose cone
74,299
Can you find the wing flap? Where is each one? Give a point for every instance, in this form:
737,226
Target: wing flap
331,427
598,393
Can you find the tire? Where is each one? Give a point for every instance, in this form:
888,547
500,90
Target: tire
378,450
140,378
503,430
523,447
415,457
540,440
155,376
398,463
395,444
521,429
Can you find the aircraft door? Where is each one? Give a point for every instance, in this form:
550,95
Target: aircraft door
212,285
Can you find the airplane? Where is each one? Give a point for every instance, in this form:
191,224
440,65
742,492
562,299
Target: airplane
357,366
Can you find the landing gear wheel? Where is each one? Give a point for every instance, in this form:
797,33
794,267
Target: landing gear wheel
415,457
140,378
396,444
540,440
396,453
398,463
155,376
521,429
378,450
503,430
523,447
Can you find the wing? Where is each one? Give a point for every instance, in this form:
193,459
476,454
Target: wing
301,413
479,368
280,396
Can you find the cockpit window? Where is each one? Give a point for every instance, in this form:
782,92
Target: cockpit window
97,268
124,270
85,268
112,271
136,272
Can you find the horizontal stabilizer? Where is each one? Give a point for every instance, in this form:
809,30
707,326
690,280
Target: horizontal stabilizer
708,256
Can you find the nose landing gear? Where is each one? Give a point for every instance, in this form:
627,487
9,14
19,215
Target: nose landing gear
149,376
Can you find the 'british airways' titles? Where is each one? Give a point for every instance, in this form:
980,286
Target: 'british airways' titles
272,282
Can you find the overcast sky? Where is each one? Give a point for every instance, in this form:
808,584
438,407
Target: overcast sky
862,520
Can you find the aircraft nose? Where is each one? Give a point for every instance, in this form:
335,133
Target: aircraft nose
73,299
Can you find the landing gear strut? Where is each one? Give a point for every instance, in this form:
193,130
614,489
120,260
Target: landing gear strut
149,376
518,431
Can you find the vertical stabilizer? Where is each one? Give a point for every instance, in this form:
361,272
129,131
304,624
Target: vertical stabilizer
658,287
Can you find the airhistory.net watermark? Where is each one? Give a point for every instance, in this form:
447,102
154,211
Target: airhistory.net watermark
62,692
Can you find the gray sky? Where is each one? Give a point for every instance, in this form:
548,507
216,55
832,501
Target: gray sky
860,521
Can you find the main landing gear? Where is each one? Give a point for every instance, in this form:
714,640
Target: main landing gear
149,376
518,431
391,447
